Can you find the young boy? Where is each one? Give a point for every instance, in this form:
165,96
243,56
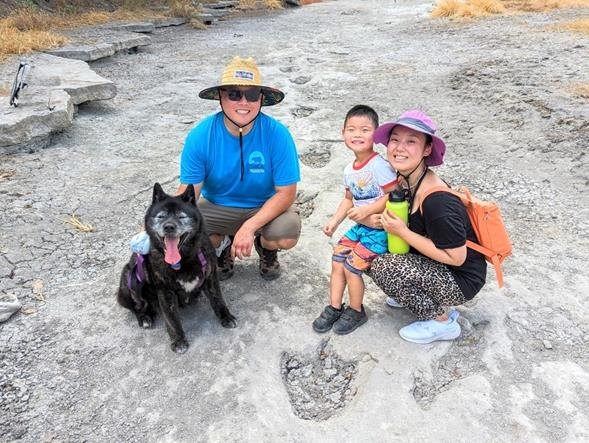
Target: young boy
367,180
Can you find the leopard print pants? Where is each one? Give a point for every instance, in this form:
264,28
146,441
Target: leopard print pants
419,284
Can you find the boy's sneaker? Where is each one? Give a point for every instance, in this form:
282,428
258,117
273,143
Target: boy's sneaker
328,317
349,321
432,330
269,266
225,263
393,303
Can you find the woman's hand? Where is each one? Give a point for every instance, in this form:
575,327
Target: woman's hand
393,224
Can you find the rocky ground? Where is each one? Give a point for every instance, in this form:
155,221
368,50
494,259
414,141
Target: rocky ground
75,367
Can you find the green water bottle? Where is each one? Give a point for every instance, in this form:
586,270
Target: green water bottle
397,204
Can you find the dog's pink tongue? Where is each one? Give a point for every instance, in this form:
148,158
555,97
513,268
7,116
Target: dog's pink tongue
171,249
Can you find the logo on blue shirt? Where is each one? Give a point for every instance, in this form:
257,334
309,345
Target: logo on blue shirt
256,162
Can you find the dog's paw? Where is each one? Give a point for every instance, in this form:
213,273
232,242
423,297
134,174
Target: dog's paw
180,346
229,321
145,321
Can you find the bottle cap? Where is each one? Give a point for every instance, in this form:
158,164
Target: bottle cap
397,195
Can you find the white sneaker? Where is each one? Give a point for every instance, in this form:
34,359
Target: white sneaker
224,243
393,303
432,330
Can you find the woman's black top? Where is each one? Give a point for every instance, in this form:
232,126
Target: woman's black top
445,222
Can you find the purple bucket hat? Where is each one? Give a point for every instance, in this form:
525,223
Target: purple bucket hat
418,121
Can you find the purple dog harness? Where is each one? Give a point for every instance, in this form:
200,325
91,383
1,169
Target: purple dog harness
138,277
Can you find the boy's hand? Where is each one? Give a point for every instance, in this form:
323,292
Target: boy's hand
358,214
329,228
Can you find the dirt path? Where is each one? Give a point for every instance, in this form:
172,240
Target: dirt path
77,367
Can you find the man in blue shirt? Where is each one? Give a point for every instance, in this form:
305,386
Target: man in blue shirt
244,166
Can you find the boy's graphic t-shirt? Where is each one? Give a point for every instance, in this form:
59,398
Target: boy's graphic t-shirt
367,181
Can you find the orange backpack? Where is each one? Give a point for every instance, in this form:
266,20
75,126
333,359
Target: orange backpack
487,223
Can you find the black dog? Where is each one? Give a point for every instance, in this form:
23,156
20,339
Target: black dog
181,262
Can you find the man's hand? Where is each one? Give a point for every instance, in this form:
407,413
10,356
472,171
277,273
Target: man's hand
243,242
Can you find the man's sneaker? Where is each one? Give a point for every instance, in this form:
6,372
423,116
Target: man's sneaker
225,263
432,330
349,321
328,317
393,303
269,266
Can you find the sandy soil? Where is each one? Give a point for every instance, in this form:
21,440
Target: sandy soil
75,367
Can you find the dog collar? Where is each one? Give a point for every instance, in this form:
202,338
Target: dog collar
201,259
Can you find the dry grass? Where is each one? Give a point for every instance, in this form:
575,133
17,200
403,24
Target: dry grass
545,5
580,25
28,29
469,8
13,41
256,4
248,4
582,90
77,223
484,8
273,4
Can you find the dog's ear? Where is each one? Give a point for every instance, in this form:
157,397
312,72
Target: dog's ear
188,195
158,193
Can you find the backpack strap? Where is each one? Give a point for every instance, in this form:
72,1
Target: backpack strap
441,188
464,195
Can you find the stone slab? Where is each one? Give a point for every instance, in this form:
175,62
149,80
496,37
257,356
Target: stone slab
168,21
41,112
99,43
141,27
223,4
207,19
84,53
128,41
73,76
217,13
47,105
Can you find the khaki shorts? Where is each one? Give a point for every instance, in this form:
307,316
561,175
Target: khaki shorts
227,221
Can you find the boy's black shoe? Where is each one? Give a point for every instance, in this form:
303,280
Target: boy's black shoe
349,321
225,262
269,266
328,317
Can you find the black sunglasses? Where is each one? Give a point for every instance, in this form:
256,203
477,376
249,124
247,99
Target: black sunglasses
251,95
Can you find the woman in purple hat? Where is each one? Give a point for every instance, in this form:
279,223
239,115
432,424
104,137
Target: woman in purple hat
439,271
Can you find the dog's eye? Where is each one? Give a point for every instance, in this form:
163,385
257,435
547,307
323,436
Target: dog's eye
160,217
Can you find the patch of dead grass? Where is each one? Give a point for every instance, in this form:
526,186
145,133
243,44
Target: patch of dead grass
13,41
468,8
580,25
582,90
484,8
545,5
273,4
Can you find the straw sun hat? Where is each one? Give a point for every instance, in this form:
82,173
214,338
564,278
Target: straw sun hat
243,72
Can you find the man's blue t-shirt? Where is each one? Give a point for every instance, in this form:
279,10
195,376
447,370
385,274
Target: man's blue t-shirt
211,155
